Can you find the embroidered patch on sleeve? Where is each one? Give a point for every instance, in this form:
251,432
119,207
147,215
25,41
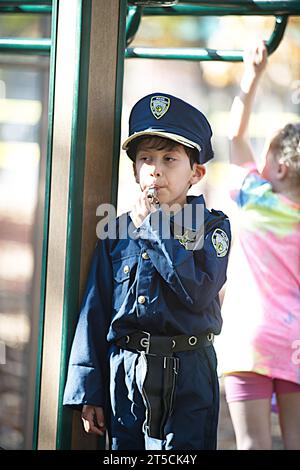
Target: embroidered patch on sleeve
220,242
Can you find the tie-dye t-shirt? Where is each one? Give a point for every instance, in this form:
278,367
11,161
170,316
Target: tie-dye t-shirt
261,308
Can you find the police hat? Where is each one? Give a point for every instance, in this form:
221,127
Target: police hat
166,116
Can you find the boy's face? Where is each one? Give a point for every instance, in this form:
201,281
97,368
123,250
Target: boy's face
169,171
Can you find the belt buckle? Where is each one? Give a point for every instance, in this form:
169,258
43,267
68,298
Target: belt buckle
145,342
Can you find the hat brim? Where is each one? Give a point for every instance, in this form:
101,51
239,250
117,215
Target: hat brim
166,135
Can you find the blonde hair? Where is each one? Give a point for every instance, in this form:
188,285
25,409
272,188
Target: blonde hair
285,146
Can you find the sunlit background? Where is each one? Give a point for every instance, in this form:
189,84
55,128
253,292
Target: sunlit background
23,138
210,86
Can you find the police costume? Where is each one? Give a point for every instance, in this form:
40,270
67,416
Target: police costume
144,339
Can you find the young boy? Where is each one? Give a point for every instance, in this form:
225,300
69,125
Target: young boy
151,306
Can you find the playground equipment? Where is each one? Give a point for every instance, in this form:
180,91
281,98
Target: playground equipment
89,41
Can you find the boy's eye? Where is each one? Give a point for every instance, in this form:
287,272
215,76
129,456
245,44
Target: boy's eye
143,158
170,159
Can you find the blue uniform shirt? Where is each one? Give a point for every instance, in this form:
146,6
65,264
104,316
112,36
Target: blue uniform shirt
146,283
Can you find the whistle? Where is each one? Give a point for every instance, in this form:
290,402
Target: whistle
152,195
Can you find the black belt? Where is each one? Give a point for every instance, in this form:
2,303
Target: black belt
164,345
162,368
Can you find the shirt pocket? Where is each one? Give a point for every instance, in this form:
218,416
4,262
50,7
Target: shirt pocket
124,271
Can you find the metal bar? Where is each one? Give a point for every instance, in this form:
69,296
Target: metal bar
278,32
18,3
205,54
191,53
133,20
237,7
122,37
39,46
221,10
27,9
46,225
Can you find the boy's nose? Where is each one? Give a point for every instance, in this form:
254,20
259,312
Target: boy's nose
155,170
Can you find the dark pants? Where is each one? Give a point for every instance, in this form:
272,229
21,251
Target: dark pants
193,422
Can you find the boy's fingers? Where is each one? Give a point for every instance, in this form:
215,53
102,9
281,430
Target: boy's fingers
100,418
88,418
87,423
95,430
92,429
146,200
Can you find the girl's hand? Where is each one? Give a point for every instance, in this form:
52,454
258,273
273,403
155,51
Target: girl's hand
255,59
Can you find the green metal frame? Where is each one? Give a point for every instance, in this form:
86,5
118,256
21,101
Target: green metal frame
26,6
25,46
21,3
217,8
28,46
133,19
72,272
220,8
119,100
281,9
46,225
74,227
206,54
29,9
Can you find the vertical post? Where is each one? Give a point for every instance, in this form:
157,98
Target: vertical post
85,108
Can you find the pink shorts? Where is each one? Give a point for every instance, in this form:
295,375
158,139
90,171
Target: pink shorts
241,386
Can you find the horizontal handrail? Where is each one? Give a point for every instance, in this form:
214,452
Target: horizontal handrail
206,54
220,7
27,9
39,46
18,3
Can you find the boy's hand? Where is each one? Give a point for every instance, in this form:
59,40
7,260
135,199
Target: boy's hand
255,59
142,208
93,419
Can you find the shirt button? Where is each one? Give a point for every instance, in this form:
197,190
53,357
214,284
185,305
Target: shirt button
141,299
145,255
126,269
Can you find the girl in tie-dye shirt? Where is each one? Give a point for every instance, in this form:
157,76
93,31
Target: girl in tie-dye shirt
259,349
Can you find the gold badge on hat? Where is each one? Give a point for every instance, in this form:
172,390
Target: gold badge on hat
159,105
